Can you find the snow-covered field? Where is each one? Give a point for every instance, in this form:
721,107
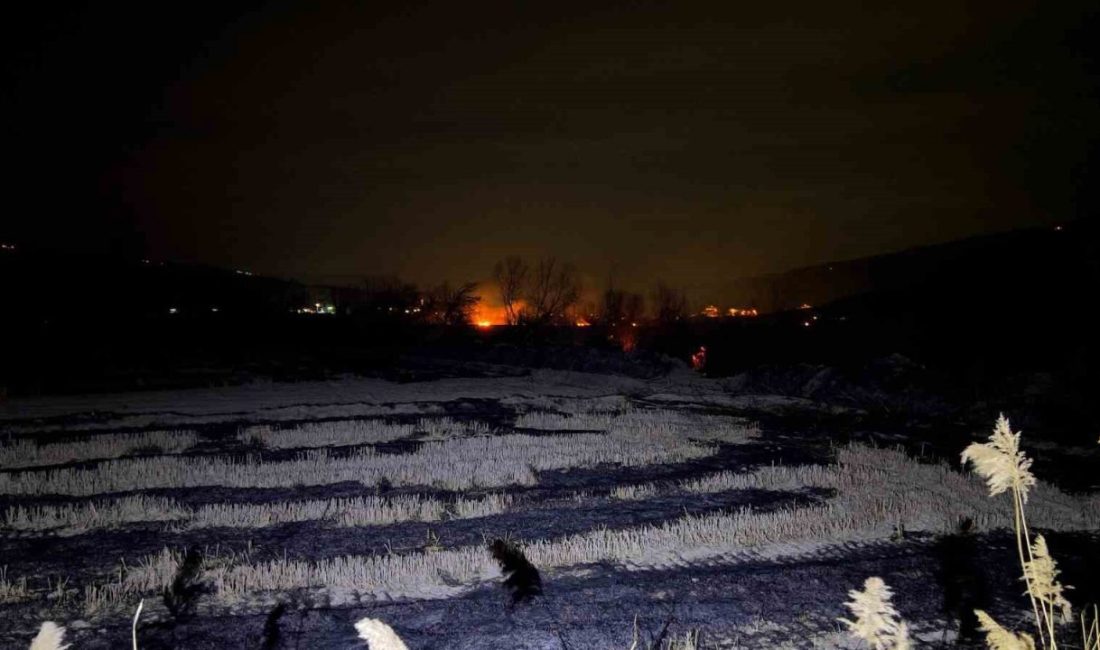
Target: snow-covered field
278,514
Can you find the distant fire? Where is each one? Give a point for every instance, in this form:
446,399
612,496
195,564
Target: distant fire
582,323
805,306
712,311
486,316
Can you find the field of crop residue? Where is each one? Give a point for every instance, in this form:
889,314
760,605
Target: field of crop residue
276,515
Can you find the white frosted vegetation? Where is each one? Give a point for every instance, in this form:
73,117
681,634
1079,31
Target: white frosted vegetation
75,519
30,453
437,574
446,428
921,496
51,636
649,422
877,623
864,509
559,422
454,464
350,397
490,504
12,590
378,635
445,573
325,434
593,404
356,511
634,492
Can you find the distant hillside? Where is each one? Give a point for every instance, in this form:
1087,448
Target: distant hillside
1041,267
51,287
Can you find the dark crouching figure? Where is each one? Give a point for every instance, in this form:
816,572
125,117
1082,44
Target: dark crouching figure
521,578
964,586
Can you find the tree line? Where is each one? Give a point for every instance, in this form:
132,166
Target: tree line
548,292
545,292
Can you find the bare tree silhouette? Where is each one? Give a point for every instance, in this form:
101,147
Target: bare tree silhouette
621,306
451,306
554,288
510,275
669,305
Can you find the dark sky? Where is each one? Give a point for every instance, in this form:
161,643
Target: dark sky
693,142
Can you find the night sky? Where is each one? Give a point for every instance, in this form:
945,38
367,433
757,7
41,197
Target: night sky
691,142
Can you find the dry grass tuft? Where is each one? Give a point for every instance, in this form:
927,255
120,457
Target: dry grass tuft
876,621
50,637
378,635
1001,462
12,591
1041,574
998,638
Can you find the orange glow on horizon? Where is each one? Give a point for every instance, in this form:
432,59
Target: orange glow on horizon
485,316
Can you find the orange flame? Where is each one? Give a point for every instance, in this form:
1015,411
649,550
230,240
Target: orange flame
737,312
487,316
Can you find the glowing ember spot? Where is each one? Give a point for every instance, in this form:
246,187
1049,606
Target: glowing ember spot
805,306
699,359
582,323
484,324
710,311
